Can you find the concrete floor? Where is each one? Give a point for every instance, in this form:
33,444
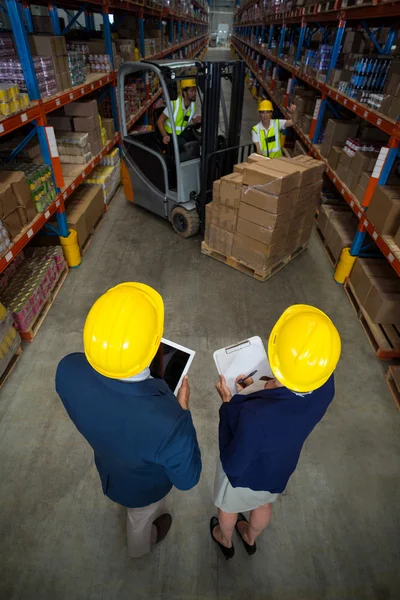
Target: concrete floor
335,532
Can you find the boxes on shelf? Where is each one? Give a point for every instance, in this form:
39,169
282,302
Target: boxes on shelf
336,133
106,175
338,226
28,288
16,204
9,339
263,213
84,209
377,288
78,130
384,209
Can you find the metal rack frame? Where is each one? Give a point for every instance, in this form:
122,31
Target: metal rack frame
22,24
251,53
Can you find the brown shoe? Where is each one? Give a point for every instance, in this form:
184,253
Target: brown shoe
163,525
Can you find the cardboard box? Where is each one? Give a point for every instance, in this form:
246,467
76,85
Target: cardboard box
326,146
81,108
212,216
9,214
87,123
323,217
338,130
310,172
365,273
227,217
60,123
334,155
19,185
239,168
216,191
265,250
261,217
341,172
66,80
108,125
220,240
272,203
271,181
345,160
47,45
351,179
231,189
383,307
265,235
384,209
363,161
84,210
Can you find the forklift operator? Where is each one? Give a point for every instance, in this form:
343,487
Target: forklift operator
184,110
266,135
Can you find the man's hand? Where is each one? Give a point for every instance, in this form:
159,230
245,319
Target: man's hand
184,394
223,390
196,120
292,108
245,384
166,139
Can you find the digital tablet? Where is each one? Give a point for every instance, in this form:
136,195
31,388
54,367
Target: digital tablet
171,363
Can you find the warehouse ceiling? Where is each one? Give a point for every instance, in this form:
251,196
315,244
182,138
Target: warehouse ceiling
222,5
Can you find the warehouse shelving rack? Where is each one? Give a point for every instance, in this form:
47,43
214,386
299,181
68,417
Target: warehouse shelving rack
22,24
252,41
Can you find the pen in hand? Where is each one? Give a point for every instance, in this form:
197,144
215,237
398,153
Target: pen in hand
241,381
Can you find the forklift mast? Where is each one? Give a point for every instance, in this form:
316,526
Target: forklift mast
217,161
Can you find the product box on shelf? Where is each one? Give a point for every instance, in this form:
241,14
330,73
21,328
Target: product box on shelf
85,207
334,156
81,108
384,209
9,339
20,187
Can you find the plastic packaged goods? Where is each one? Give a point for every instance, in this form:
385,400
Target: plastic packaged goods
9,339
4,239
30,284
77,67
40,182
99,63
111,159
72,138
108,177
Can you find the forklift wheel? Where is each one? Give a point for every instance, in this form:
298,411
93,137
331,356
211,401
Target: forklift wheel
185,222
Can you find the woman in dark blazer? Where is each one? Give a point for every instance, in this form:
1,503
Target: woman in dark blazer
264,426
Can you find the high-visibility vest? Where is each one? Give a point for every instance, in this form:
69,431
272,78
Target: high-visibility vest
270,143
182,116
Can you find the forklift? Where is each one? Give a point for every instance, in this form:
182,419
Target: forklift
176,184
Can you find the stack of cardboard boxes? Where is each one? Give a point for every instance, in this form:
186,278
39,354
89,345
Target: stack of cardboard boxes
336,133
84,209
78,131
263,212
54,46
16,205
384,211
338,226
377,288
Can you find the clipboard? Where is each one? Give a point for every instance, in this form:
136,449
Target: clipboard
242,358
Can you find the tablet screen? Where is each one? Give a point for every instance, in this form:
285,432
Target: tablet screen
170,363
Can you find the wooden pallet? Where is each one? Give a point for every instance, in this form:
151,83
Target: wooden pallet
384,339
329,254
30,334
11,366
247,269
89,240
393,380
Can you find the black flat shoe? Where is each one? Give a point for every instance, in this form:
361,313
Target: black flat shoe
227,552
249,549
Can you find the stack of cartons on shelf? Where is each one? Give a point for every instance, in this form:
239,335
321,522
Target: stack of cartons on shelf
9,339
53,46
85,207
338,226
337,131
377,289
263,212
384,209
78,131
16,205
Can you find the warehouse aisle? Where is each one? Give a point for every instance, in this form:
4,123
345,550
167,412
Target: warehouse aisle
334,532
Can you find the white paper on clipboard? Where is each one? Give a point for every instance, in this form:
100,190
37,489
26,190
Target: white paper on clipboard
242,358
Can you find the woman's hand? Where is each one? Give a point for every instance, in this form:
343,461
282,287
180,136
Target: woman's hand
245,384
223,390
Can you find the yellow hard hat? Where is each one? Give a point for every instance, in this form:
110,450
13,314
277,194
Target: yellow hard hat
265,105
303,348
123,330
187,83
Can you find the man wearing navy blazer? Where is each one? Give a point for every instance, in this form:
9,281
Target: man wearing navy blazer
143,437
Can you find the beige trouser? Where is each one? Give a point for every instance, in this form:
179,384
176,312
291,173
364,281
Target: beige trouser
141,532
